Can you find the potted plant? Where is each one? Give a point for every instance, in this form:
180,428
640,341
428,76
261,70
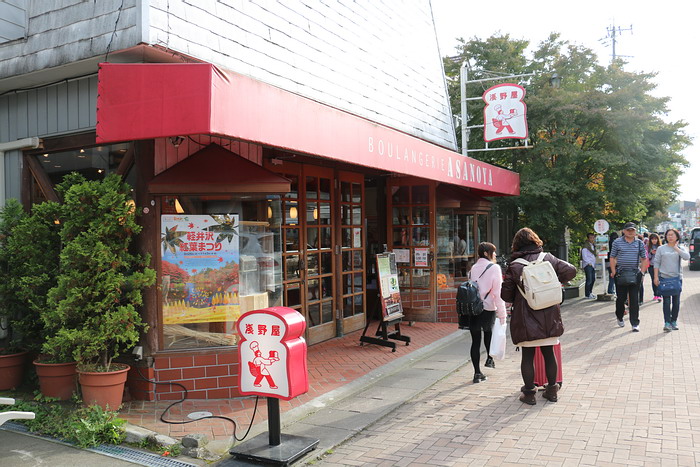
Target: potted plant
34,244
12,315
92,312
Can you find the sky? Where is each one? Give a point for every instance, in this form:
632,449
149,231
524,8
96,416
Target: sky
659,41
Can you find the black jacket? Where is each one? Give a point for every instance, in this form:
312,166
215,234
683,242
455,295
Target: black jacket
527,324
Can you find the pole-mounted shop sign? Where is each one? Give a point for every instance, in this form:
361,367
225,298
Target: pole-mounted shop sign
505,112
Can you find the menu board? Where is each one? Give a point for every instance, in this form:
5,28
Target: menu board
390,296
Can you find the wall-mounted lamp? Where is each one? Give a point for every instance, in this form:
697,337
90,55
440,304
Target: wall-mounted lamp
315,213
176,140
269,212
178,207
555,80
293,212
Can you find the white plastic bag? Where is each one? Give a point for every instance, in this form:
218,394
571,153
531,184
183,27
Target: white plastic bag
497,348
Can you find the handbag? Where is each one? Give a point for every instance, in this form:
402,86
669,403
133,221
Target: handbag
669,286
497,349
626,277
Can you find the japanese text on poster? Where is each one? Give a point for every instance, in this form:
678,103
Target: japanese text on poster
199,266
390,295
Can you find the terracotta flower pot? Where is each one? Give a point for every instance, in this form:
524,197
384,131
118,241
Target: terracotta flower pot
104,388
57,379
12,370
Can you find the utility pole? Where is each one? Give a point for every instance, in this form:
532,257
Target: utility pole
613,32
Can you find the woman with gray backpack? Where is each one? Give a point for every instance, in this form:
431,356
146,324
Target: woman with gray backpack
536,318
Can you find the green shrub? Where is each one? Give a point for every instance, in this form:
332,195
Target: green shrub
83,426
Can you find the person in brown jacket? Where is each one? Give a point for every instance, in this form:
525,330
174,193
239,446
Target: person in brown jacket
534,328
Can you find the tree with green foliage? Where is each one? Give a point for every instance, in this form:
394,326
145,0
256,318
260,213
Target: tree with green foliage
600,148
92,310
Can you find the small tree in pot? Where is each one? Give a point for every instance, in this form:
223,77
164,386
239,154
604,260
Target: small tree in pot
93,308
13,316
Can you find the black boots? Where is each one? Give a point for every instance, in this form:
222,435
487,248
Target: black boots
528,395
550,392
489,363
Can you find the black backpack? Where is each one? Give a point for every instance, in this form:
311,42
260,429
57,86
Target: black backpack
469,301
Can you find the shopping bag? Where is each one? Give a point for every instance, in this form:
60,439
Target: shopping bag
497,349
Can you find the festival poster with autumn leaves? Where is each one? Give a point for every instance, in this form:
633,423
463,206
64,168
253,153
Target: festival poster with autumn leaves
199,268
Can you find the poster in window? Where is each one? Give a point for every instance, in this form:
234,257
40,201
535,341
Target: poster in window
200,268
390,295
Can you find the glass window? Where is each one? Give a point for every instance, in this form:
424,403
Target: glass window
92,163
221,258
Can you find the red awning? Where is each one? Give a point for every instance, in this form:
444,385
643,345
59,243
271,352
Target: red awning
217,170
144,101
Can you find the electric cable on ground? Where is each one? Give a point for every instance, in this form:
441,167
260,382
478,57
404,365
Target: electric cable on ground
171,422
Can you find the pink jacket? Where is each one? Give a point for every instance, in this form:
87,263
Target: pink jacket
489,283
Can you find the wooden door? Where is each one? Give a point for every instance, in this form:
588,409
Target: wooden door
351,273
411,204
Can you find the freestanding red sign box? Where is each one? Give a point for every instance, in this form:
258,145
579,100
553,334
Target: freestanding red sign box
272,353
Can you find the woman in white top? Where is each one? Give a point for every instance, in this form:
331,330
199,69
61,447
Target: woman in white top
488,275
667,264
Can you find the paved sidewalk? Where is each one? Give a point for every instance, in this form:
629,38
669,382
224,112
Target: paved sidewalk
627,399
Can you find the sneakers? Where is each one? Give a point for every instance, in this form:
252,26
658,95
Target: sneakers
621,323
592,296
674,326
667,327
657,298
490,363
635,328
479,377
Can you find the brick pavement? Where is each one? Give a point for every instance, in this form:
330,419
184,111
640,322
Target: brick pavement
331,364
627,399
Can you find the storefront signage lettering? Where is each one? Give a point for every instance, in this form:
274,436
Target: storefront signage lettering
467,170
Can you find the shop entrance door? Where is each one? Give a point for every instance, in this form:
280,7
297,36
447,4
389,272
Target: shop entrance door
411,233
352,250
323,248
307,248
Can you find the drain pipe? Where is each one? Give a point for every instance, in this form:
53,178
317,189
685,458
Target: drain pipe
26,143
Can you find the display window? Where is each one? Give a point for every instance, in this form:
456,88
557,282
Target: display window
458,235
220,257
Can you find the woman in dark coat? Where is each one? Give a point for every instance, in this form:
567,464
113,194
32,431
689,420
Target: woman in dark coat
530,328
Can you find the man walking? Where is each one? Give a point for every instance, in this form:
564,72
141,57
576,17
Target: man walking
625,257
588,260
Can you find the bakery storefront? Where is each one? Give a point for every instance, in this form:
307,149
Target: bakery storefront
252,196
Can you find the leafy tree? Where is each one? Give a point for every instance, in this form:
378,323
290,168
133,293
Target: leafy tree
600,146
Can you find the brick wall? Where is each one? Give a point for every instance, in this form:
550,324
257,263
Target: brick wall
206,375
446,306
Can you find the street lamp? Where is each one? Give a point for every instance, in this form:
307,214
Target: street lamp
555,80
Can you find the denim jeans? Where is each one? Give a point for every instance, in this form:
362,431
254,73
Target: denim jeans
653,286
672,305
590,279
611,284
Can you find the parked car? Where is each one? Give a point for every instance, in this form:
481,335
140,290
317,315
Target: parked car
694,249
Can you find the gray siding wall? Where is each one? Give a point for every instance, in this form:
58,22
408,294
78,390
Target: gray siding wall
59,109
13,19
65,31
375,58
